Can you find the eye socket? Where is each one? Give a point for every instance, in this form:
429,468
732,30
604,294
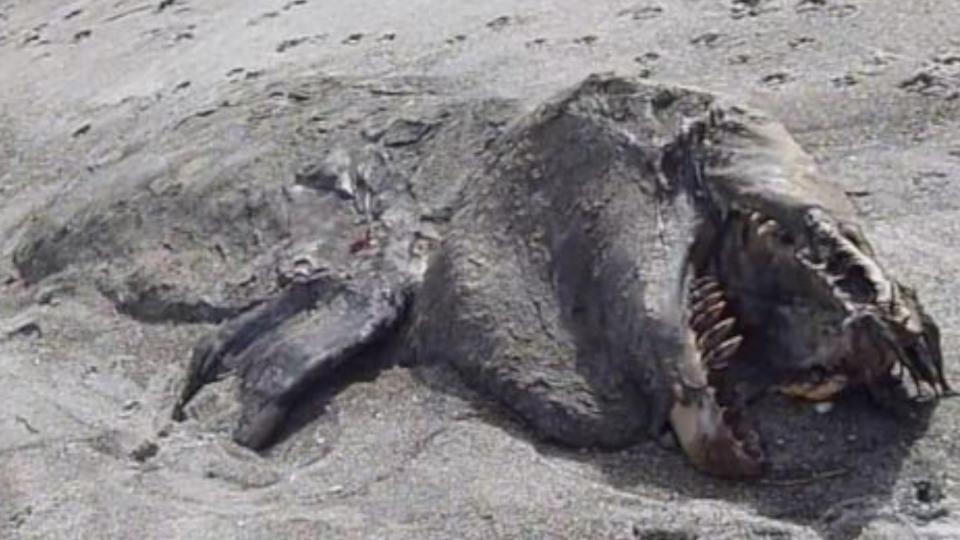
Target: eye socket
855,283
840,263
786,238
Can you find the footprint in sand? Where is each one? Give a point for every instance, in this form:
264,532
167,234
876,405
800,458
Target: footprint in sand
290,5
82,35
939,77
752,8
263,17
274,14
587,40
535,43
801,42
844,81
876,64
34,37
288,44
353,39
499,23
838,11
710,40
641,13
776,79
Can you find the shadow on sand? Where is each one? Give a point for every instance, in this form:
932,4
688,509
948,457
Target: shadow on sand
833,471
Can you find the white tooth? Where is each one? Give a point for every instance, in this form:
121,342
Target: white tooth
767,228
715,334
710,299
719,358
823,407
805,258
706,318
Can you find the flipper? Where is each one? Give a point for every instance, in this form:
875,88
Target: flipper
287,344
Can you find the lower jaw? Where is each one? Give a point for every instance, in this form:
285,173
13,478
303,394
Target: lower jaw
710,444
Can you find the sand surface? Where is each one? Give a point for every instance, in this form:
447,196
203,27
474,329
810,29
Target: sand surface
94,97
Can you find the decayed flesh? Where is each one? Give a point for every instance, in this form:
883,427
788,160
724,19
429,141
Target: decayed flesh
816,389
815,385
755,168
883,329
885,323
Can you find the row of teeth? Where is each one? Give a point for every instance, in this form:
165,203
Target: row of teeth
714,333
846,257
718,343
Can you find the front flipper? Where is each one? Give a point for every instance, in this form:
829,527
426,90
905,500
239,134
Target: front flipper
287,344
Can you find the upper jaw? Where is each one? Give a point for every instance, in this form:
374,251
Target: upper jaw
882,323
883,320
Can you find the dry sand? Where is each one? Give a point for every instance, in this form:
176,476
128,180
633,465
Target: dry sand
87,88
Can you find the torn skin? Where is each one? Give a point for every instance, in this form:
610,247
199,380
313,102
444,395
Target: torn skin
872,328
